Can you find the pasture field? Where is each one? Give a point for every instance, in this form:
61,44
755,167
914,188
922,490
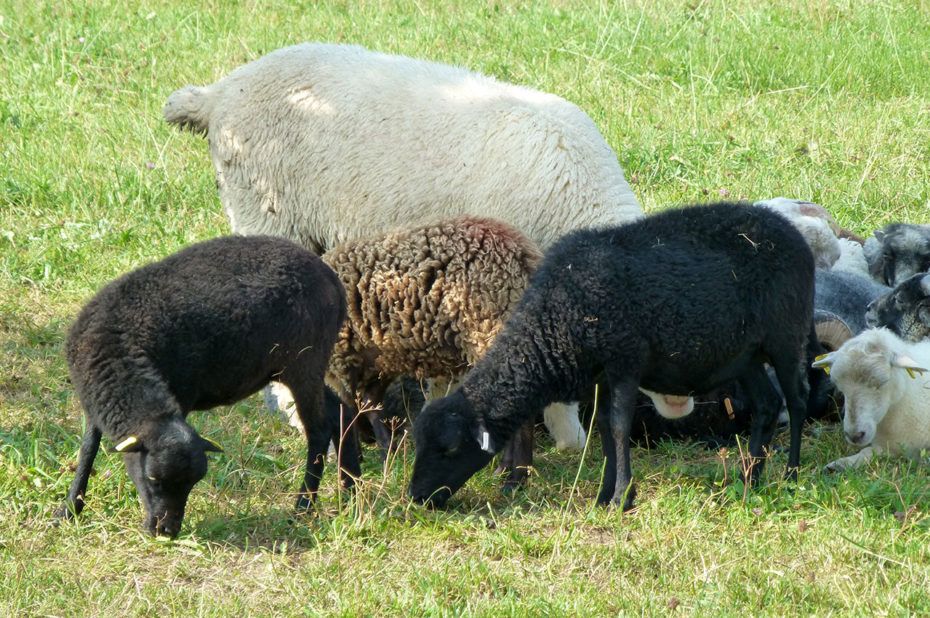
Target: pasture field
825,100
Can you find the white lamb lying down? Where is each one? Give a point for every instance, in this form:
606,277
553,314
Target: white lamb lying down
887,394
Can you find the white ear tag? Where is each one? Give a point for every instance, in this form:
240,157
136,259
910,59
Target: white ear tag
485,441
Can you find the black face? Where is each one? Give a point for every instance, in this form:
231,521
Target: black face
904,310
448,450
164,469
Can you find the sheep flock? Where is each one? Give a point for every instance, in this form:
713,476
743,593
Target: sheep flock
393,218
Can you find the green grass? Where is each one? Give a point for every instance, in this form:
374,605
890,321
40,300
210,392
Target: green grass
815,99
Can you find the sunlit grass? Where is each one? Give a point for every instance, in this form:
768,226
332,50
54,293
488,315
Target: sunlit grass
821,100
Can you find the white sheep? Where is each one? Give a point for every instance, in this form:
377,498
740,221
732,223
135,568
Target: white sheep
852,258
882,379
325,143
815,225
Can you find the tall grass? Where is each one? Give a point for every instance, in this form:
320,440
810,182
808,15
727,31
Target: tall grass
815,99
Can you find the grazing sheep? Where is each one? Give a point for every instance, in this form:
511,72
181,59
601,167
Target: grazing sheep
325,143
608,305
904,310
204,327
886,407
425,302
898,251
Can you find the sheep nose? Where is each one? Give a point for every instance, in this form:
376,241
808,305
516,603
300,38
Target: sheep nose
855,438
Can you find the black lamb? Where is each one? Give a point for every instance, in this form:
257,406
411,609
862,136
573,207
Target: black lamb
680,302
904,310
204,327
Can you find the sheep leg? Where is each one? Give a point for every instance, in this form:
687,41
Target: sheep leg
382,434
792,376
617,487
853,461
764,402
385,428
74,501
309,398
344,438
518,456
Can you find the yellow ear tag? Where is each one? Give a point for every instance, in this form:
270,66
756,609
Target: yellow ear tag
912,370
126,443
826,368
215,444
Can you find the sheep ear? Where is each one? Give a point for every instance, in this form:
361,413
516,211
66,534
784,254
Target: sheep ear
210,445
824,361
484,438
908,364
129,445
925,284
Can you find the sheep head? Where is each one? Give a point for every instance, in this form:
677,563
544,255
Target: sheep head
898,251
452,444
905,310
869,371
165,460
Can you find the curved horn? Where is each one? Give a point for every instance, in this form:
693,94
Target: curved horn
832,331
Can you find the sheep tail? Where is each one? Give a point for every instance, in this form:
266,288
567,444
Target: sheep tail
190,108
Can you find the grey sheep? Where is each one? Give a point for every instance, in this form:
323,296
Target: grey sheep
841,299
898,251
207,326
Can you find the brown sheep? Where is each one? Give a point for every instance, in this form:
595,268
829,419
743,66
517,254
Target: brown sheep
426,302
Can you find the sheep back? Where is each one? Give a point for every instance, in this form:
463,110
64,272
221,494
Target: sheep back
696,287
427,301
157,335
324,143
845,294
